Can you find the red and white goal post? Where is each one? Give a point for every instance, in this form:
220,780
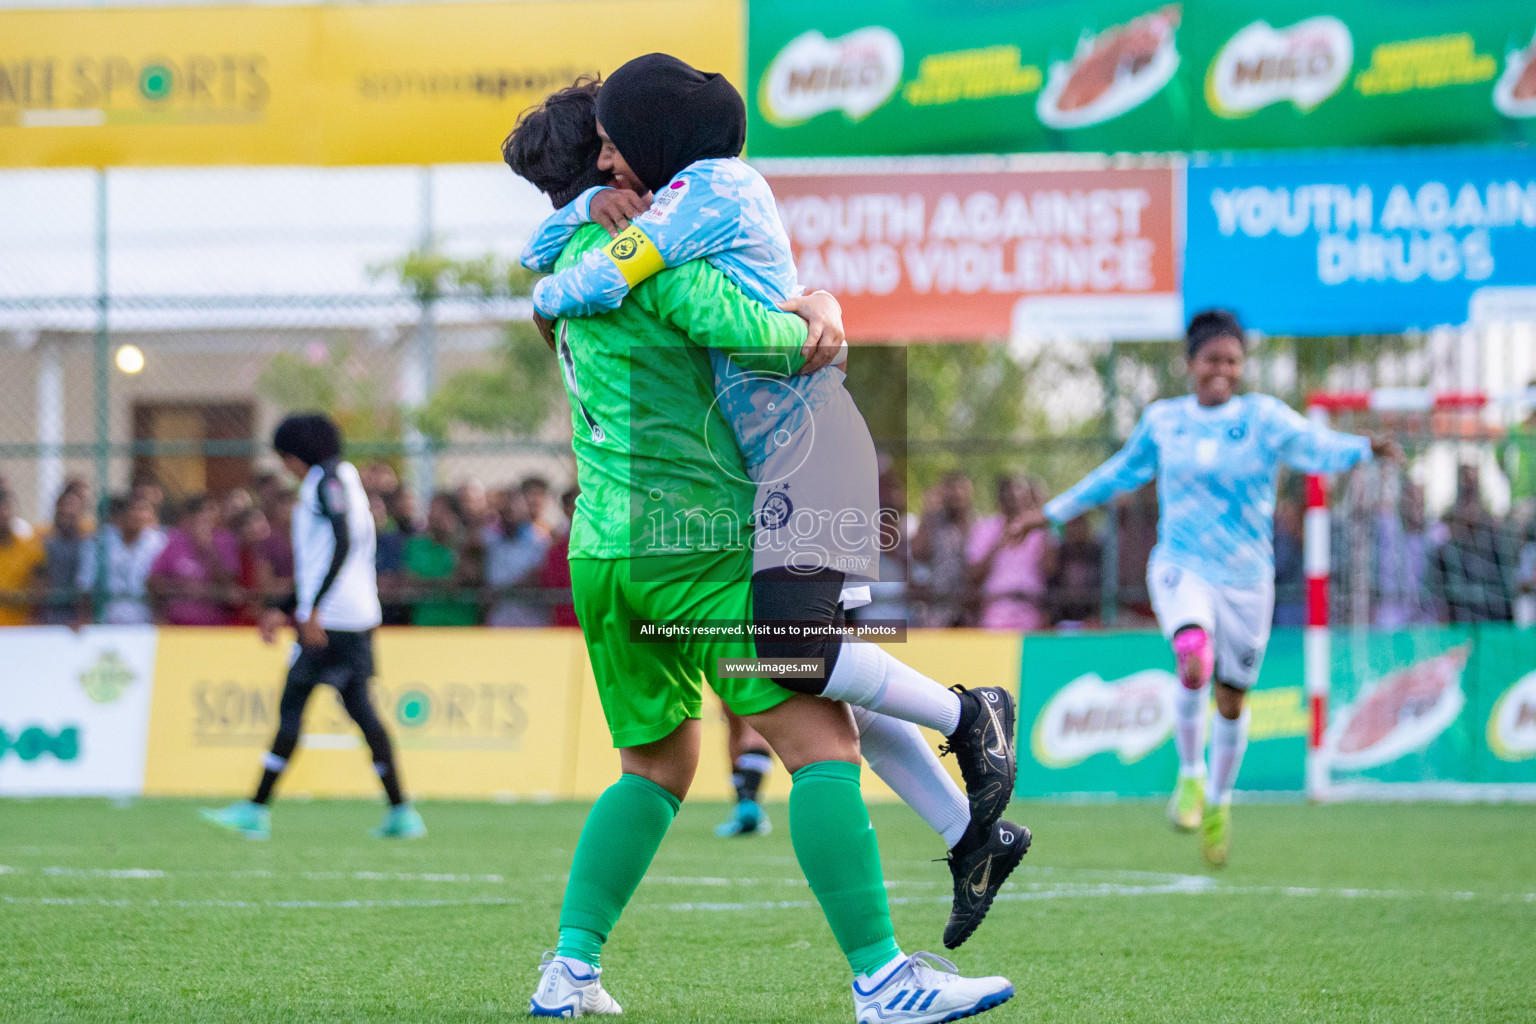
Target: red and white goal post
1318,558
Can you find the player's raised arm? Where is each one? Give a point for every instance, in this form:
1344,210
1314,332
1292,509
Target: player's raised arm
1310,447
554,234
687,220
1126,470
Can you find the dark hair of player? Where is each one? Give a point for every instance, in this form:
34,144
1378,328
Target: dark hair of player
312,438
1212,323
555,144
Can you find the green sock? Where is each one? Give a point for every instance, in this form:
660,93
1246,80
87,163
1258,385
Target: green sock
621,836
829,827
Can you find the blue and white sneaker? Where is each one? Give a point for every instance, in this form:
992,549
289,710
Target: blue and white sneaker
402,822
570,988
924,989
748,819
251,820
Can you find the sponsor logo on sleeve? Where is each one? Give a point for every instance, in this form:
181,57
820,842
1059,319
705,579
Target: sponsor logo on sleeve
667,201
1512,726
1401,713
812,75
1129,717
1261,65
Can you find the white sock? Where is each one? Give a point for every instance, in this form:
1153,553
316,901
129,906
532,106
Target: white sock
1192,710
875,978
580,968
868,677
1229,738
899,753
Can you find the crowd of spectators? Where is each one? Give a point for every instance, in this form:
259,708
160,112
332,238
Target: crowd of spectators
992,571
969,569
499,557
477,557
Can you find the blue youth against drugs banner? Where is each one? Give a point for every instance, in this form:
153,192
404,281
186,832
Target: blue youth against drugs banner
1365,243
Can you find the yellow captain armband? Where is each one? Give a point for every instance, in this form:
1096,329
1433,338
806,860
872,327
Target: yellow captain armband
635,255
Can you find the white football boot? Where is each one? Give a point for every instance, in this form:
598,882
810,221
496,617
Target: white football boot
570,988
924,989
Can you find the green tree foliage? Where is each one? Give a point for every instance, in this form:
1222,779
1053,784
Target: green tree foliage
334,380
513,396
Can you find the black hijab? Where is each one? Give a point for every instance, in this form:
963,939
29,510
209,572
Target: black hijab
663,115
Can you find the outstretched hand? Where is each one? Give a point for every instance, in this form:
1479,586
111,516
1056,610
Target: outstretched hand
823,316
614,208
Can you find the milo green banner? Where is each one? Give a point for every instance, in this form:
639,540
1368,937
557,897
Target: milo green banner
977,76
1096,717
1442,712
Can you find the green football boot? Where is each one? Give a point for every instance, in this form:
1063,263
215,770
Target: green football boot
253,821
1216,835
401,822
1187,804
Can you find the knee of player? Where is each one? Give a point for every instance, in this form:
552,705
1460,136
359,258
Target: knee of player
1230,699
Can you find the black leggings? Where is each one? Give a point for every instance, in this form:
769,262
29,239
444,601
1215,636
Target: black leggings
784,595
345,663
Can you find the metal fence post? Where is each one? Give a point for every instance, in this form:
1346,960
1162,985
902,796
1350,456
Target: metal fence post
418,374
101,364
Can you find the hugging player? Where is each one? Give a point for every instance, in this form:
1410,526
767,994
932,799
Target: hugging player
670,131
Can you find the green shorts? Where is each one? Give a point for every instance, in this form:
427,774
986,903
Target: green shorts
649,689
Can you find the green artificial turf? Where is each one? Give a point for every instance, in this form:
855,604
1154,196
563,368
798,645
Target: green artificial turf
1350,913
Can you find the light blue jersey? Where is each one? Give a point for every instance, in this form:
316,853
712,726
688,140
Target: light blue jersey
720,210
1216,470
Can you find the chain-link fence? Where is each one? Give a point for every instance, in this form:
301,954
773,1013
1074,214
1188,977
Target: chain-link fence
155,325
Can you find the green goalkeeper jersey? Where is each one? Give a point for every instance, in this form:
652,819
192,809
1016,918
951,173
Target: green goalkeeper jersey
659,467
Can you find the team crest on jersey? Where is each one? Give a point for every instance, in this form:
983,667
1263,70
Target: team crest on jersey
775,511
1237,431
666,201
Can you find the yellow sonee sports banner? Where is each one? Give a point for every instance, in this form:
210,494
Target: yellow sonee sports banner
329,84
483,714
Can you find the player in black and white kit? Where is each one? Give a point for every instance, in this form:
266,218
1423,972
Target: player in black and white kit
335,608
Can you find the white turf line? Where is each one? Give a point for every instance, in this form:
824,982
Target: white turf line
1150,884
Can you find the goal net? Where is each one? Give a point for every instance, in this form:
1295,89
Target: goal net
1419,595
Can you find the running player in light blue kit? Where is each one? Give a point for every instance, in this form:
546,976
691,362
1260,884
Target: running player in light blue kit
1215,455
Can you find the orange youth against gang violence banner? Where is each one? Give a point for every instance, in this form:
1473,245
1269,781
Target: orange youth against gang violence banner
1088,253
